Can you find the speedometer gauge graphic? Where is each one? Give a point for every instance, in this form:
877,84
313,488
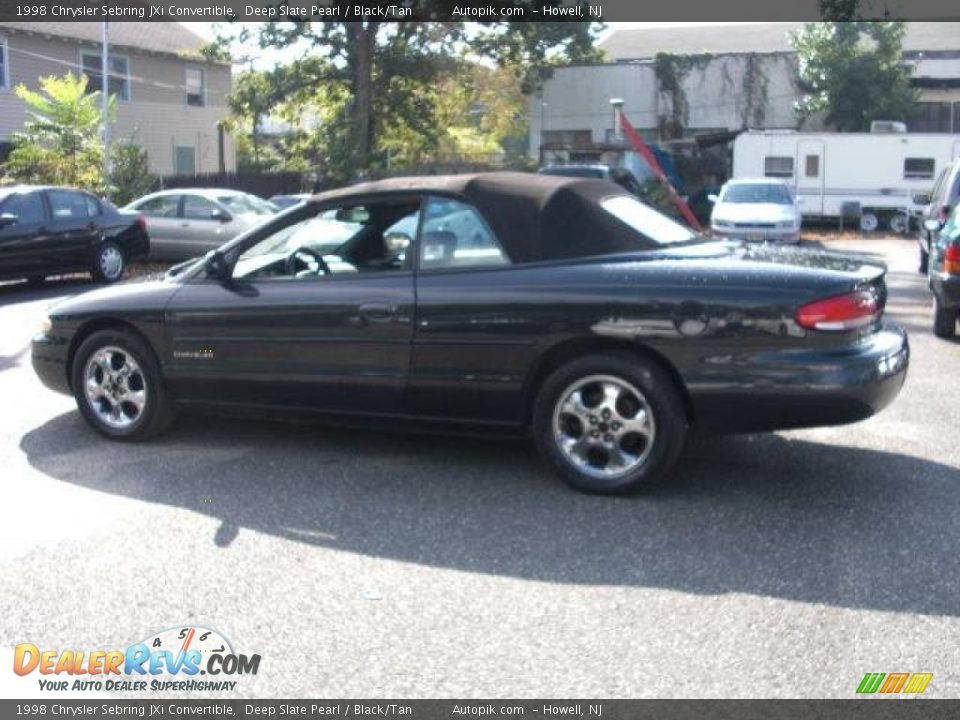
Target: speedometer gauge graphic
184,639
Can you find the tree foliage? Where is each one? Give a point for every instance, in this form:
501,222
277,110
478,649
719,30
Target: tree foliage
130,175
854,73
362,95
60,143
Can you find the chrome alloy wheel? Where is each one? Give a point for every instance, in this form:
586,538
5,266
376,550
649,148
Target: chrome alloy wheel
604,426
111,262
115,387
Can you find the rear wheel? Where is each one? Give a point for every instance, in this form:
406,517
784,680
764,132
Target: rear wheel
944,320
898,223
118,386
609,423
108,262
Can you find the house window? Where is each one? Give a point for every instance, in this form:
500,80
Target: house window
776,166
184,160
196,87
813,166
4,65
918,168
566,138
118,83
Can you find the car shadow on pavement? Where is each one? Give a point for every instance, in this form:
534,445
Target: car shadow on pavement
21,292
763,515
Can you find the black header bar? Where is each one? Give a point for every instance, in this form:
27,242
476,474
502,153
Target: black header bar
467,10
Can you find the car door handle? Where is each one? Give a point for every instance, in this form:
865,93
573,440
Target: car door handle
378,312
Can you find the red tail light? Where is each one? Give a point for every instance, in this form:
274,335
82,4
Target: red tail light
951,260
141,222
843,312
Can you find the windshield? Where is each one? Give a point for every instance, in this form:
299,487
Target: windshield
757,193
647,221
243,204
323,233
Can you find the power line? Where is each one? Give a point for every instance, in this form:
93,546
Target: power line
130,78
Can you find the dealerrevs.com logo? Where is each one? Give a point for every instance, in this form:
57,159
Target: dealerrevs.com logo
176,659
894,683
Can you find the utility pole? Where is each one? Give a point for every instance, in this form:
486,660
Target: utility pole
105,103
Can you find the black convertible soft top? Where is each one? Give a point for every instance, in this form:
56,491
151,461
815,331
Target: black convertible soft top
535,217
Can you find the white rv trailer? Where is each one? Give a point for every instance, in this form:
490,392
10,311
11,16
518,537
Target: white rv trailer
832,172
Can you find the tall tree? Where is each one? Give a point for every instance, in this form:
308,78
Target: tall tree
384,75
854,73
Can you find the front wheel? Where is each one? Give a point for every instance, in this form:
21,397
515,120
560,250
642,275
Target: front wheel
609,423
944,320
108,262
118,387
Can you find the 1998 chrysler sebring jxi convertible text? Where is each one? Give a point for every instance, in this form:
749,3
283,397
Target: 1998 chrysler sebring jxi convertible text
559,304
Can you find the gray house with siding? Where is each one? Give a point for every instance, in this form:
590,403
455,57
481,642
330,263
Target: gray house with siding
170,99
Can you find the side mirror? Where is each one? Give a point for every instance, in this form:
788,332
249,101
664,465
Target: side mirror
7,219
932,224
216,267
712,198
921,199
221,215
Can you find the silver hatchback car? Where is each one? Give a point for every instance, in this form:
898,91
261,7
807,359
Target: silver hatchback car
186,222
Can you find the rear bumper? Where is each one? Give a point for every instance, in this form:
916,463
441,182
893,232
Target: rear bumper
49,357
136,244
803,388
946,288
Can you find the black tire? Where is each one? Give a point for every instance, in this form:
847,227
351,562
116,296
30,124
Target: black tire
109,262
924,261
661,396
36,280
944,320
157,410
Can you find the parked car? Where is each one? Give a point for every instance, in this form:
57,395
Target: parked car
286,201
621,176
583,315
756,209
57,230
937,206
187,222
944,272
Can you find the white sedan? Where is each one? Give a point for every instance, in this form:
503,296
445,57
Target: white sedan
760,209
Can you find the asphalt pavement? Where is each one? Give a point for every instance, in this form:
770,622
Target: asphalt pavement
371,564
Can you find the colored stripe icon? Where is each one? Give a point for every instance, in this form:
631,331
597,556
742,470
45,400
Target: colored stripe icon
894,683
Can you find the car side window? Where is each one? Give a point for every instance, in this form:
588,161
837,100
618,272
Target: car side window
348,239
198,208
67,204
164,206
26,207
455,235
93,205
